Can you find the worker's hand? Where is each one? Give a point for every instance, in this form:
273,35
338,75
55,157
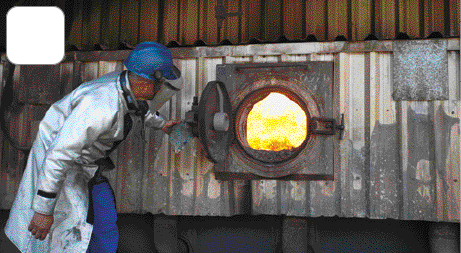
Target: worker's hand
40,225
169,124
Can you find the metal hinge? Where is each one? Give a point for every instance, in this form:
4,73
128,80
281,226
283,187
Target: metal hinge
329,125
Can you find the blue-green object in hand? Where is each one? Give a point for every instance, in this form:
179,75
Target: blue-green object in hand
180,135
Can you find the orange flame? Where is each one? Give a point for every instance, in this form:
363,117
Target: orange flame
276,123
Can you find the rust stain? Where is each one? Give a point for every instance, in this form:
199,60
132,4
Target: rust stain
298,192
257,192
187,188
327,188
425,192
269,188
214,188
201,174
423,171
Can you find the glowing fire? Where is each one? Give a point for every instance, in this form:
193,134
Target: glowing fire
276,123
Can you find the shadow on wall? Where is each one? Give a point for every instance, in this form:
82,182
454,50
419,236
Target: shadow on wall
263,233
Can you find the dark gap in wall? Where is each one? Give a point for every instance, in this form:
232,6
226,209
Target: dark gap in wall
373,17
303,13
446,13
421,19
349,21
281,28
262,20
397,18
161,22
240,23
178,25
326,22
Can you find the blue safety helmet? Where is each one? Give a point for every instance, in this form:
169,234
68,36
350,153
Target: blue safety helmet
148,57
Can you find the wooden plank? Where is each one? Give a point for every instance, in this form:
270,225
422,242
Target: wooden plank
91,24
292,19
337,19
129,26
361,19
385,19
171,20
384,146
189,22
148,26
110,26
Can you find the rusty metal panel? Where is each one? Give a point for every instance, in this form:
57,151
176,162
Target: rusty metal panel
91,27
385,19
337,19
420,70
361,17
112,23
148,27
32,88
398,159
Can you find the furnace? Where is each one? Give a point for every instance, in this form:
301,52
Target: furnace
269,121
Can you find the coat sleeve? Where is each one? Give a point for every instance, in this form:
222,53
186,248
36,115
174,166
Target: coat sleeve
89,119
154,120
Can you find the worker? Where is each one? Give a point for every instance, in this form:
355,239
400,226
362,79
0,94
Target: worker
64,203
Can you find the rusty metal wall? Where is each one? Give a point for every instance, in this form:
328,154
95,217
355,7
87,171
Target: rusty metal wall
398,159
185,21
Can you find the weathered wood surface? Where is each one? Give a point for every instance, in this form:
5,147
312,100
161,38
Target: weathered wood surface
398,159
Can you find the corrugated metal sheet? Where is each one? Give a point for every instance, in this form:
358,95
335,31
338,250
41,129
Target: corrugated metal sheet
398,159
111,22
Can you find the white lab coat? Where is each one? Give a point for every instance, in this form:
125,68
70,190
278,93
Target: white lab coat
76,131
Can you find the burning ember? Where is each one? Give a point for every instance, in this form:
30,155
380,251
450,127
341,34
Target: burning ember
276,123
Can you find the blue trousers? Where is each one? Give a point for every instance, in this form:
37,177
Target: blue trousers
104,238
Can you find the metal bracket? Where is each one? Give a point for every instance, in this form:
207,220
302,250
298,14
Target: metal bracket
221,14
329,125
192,117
